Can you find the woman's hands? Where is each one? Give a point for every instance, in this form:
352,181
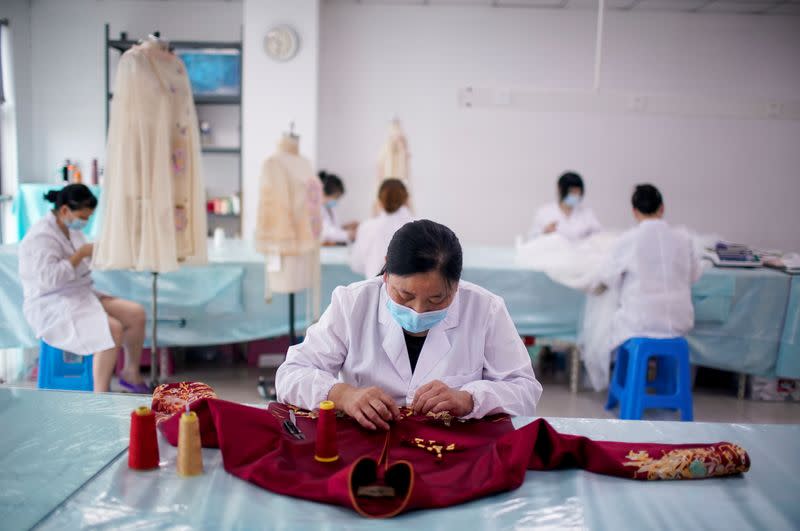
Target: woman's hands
374,409
436,396
85,251
370,406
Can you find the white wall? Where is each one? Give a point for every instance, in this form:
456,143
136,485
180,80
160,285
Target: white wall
67,66
483,171
275,94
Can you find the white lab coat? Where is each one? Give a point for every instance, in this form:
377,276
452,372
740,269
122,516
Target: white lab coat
581,223
332,231
475,349
60,305
368,253
649,276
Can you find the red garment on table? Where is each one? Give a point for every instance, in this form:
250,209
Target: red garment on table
486,457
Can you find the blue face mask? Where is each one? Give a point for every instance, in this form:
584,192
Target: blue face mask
76,224
572,200
412,321
331,203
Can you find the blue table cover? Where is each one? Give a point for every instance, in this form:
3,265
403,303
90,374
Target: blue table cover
746,320
119,498
51,443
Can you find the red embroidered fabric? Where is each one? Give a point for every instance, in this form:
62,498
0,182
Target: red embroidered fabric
423,463
172,398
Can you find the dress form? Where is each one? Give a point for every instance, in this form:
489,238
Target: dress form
288,224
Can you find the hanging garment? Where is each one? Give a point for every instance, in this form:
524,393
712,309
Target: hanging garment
60,305
368,252
289,224
649,277
154,194
393,162
427,461
289,204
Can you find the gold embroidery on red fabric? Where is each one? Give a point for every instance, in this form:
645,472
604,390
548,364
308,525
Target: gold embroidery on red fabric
169,399
434,447
444,416
690,463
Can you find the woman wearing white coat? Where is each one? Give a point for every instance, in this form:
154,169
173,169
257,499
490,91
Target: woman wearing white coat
650,275
60,304
368,253
333,233
568,217
415,336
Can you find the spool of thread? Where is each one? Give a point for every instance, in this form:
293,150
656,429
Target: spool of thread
143,449
190,454
326,450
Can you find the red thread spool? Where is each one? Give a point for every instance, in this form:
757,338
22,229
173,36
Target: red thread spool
326,450
143,449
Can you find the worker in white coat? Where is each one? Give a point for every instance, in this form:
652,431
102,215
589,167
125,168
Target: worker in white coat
333,232
416,336
651,271
59,303
368,253
569,216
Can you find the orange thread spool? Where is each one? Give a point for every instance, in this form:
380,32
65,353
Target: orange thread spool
143,449
326,450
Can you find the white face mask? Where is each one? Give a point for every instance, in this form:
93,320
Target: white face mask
572,200
76,224
412,321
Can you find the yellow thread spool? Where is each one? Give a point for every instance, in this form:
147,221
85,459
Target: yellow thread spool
190,455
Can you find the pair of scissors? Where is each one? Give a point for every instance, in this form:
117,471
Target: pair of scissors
290,425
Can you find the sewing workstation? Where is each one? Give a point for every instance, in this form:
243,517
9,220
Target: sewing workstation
312,264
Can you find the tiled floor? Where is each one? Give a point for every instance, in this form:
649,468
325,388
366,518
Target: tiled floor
710,405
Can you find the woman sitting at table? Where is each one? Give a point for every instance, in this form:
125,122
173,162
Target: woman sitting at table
333,233
569,216
368,253
60,304
417,336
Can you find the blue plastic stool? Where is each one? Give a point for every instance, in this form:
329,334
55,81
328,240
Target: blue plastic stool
672,385
58,371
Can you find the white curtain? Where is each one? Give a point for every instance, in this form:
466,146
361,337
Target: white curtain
9,169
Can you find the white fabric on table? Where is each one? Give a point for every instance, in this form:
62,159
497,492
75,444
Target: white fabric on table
580,223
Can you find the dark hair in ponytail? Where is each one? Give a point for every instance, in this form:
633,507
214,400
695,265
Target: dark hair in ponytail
75,196
422,246
331,183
